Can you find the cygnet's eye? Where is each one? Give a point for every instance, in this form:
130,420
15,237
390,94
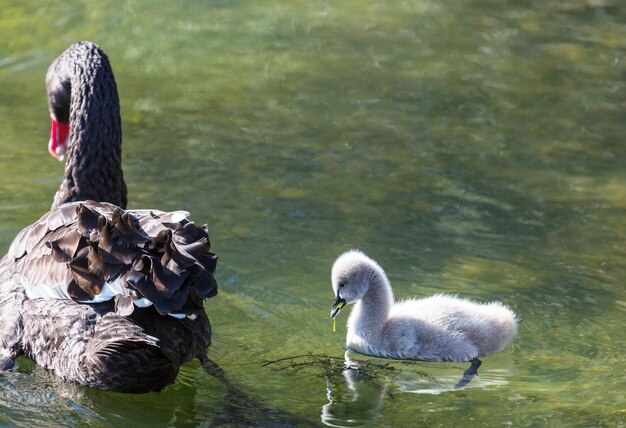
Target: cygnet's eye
341,284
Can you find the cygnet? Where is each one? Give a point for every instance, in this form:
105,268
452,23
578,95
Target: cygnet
438,328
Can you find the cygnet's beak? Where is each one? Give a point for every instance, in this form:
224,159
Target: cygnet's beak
337,306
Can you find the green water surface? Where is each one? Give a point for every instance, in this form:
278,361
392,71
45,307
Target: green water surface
472,147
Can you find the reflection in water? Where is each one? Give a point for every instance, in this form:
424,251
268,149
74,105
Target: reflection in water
359,399
31,391
360,403
243,410
25,396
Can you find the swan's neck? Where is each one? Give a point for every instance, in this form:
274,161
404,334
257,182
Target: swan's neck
371,312
93,169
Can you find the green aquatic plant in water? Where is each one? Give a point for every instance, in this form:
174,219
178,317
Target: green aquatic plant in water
333,368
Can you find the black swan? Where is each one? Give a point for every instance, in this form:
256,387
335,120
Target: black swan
82,96
103,296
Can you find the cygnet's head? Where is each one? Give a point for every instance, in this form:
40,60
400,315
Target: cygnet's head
350,276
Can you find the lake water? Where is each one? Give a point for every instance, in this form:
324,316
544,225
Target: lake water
471,147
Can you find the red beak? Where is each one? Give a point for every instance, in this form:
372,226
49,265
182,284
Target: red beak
57,146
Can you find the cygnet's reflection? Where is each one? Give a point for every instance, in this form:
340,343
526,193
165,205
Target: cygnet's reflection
357,404
359,398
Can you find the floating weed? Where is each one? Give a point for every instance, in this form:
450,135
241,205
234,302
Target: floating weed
333,368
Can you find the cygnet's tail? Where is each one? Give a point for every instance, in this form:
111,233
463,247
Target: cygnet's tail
499,326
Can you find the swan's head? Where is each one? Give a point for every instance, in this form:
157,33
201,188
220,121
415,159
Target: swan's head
59,92
351,275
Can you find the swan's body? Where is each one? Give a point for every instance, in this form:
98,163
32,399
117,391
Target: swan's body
437,328
103,296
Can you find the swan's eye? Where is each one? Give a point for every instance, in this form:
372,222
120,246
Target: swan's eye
341,284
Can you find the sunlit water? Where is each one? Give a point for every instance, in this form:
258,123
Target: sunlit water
470,147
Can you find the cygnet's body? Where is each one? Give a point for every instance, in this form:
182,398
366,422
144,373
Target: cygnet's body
437,328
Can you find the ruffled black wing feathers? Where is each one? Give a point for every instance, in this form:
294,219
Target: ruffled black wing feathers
160,256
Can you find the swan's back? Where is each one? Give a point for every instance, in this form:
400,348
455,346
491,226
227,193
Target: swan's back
92,252
457,328
88,290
